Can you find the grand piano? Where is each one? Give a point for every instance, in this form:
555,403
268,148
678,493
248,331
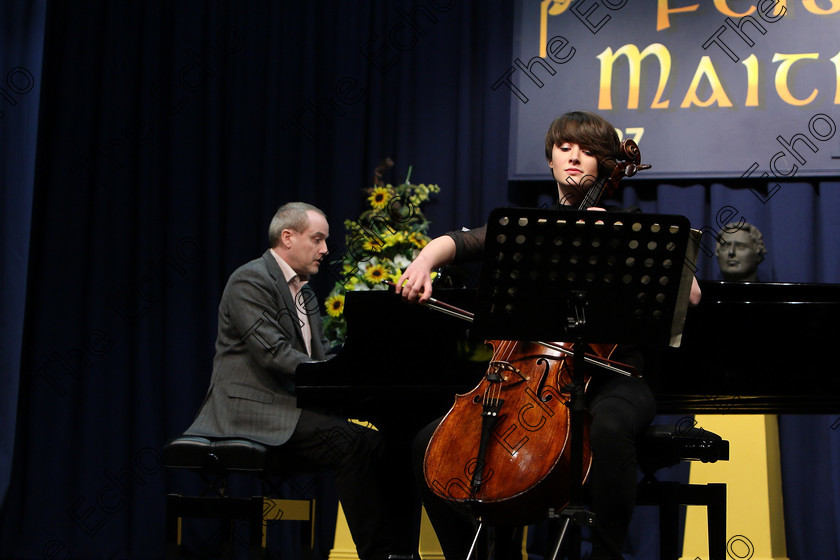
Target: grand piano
747,348
401,365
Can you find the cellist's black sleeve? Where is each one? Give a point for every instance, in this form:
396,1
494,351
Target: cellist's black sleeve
469,244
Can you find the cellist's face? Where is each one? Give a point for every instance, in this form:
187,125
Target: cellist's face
575,170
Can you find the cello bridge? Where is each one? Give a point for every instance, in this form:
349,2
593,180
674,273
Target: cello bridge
500,371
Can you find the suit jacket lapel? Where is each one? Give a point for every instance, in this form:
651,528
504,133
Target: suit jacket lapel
286,295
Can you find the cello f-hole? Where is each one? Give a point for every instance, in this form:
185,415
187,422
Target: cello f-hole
543,378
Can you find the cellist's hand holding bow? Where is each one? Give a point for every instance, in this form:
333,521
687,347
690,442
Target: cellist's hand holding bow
415,283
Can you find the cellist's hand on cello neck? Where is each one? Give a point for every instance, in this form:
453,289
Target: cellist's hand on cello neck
415,283
694,296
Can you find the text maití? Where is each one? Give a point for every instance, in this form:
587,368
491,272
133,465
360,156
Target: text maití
706,88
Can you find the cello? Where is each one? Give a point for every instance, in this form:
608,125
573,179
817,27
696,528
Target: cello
504,449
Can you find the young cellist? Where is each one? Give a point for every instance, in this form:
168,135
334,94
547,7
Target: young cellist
579,146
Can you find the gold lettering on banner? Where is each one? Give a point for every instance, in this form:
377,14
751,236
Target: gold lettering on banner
836,61
811,6
782,85
751,62
549,8
634,60
664,10
718,95
663,13
724,8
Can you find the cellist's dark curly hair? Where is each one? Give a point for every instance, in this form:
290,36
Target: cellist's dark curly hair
589,131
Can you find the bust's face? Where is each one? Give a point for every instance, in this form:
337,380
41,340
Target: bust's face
737,256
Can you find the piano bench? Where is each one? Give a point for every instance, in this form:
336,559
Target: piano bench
664,446
215,460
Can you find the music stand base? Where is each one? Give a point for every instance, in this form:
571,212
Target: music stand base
580,517
473,547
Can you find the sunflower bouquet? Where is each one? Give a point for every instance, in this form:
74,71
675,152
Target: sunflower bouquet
380,244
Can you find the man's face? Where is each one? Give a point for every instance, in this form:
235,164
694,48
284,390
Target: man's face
307,248
737,255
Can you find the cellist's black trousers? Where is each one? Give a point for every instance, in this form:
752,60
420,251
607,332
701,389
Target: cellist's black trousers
621,409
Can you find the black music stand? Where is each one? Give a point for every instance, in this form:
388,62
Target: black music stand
614,277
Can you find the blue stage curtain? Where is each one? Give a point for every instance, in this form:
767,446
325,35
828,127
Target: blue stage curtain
168,135
21,45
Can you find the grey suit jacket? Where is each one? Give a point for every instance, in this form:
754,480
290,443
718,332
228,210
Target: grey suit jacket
259,345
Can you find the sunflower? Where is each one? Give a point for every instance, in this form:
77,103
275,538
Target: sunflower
379,198
395,238
335,305
372,246
376,273
418,239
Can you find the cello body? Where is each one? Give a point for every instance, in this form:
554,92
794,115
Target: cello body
504,448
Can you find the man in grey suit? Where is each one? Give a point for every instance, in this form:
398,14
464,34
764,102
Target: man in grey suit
268,324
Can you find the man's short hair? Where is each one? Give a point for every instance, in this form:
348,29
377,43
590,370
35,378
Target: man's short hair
292,215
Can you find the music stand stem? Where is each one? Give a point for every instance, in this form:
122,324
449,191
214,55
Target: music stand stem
575,512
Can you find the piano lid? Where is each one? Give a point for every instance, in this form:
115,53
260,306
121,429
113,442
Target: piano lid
753,348
399,360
